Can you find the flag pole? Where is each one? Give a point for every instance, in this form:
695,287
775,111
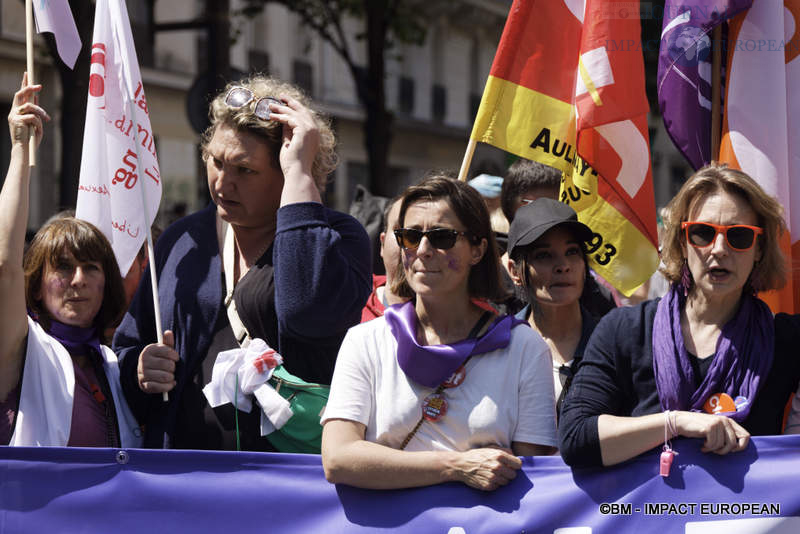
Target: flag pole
465,163
29,66
149,233
716,91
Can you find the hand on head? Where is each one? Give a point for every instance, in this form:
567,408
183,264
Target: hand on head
301,136
25,113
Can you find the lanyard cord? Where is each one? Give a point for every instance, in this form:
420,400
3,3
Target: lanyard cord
484,318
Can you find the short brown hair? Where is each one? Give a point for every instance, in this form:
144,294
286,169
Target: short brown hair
86,243
244,120
468,205
770,271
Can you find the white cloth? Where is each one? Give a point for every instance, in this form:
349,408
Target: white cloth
44,417
506,396
249,368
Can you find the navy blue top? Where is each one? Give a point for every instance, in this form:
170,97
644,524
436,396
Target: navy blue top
588,323
616,377
322,277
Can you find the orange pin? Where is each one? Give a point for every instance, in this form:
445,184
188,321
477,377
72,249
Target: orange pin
719,403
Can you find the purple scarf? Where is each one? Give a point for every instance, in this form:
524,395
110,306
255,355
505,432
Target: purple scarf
745,349
75,339
431,365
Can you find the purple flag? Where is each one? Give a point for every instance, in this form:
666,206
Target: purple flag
684,72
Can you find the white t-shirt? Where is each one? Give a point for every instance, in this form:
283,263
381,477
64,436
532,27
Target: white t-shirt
506,396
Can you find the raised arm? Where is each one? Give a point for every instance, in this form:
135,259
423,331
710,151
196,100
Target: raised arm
14,200
299,148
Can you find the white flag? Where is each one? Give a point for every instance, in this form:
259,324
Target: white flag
119,152
54,16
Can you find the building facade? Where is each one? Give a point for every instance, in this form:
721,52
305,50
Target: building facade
433,91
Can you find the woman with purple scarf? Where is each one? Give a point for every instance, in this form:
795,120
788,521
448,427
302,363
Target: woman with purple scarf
708,360
58,385
438,389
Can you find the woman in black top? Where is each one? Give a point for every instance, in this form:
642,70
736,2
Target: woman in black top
708,360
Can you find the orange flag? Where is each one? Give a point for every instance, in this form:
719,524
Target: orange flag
567,89
761,128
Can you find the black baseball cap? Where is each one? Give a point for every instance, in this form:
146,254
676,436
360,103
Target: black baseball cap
534,219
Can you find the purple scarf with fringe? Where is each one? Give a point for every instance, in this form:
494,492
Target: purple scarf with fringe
744,354
430,365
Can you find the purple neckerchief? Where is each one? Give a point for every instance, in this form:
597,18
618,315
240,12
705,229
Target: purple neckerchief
745,350
430,365
75,338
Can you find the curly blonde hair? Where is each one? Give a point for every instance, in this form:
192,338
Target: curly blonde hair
244,120
770,271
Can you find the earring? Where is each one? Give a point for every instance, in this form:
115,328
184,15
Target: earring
686,278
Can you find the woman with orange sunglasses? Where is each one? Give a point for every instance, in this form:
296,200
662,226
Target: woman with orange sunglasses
709,360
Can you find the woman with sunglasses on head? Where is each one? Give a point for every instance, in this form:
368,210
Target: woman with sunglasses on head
438,389
264,260
59,385
547,262
706,361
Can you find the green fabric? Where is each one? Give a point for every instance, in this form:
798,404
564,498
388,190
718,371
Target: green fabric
302,432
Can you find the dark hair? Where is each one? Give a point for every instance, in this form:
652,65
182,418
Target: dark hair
523,175
520,258
468,205
244,120
770,271
84,241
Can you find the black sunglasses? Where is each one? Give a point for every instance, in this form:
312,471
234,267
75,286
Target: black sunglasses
240,96
441,238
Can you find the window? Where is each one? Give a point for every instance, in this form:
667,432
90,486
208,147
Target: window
303,75
405,93
258,61
474,104
439,109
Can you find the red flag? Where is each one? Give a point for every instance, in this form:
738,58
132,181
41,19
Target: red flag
565,77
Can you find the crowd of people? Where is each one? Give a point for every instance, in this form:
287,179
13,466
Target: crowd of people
462,357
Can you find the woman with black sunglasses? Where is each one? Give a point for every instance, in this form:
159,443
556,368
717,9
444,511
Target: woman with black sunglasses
708,360
438,389
264,260
547,262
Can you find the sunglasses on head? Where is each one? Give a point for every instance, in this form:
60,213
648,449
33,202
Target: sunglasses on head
738,236
240,96
441,238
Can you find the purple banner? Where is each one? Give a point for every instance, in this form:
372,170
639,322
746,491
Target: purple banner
106,490
684,72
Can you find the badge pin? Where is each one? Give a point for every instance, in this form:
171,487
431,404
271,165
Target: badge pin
434,407
456,378
719,403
